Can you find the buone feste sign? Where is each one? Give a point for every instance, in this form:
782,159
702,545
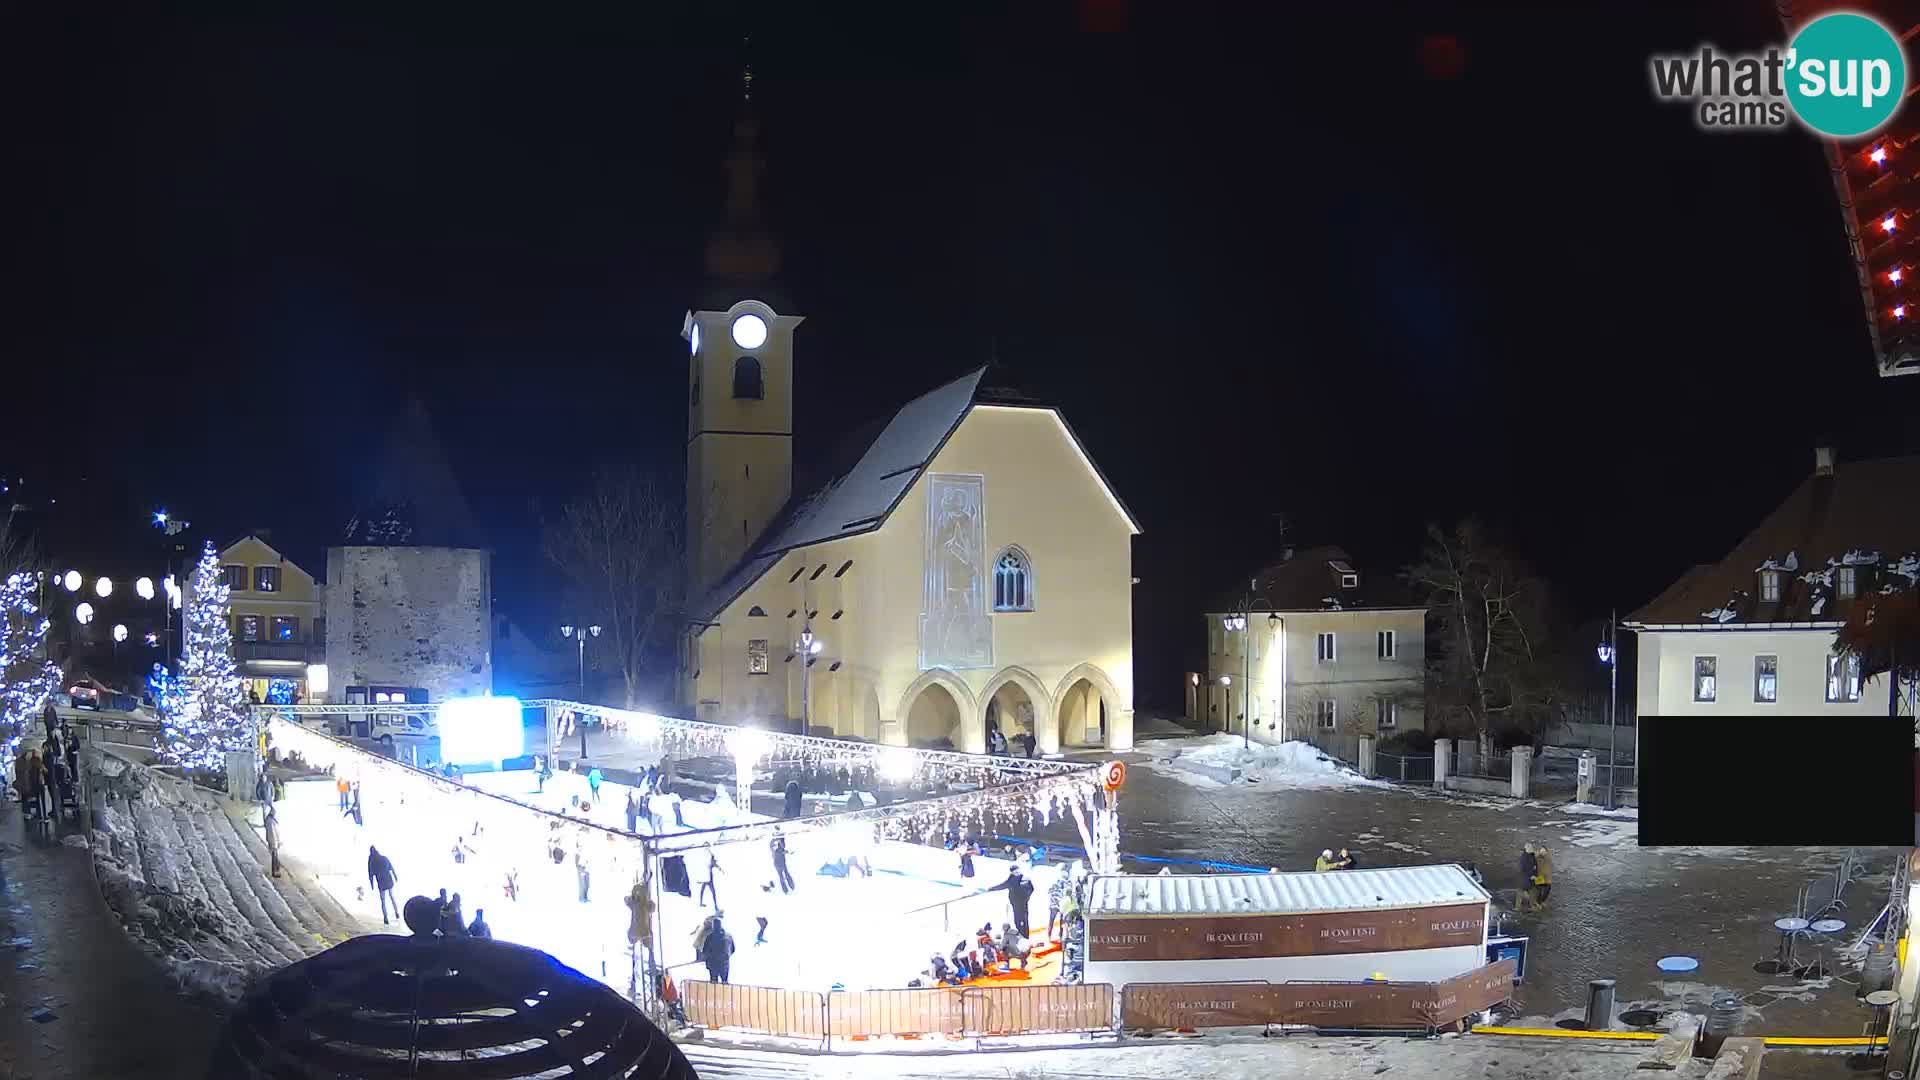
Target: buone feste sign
1232,937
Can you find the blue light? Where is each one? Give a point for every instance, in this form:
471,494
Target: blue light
159,517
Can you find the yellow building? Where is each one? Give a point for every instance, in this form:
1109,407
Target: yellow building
960,568
278,616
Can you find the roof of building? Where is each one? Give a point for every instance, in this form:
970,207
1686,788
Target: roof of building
1865,515
869,474
1313,579
1284,894
259,538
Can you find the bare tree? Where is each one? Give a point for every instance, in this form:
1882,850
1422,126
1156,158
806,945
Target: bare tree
621,548
1487,616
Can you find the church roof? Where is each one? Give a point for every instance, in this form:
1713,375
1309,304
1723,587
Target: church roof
867,479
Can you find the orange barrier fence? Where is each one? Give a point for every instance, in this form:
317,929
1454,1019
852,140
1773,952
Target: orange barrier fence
1315,1004
800,1014
967,1011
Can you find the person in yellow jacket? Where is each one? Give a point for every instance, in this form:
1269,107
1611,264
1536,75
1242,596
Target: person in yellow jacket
1325,862
1542,875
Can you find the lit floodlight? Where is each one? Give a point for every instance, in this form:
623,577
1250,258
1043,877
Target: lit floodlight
1226,680
119,631
83,612
1878,156
103,587
144,588
896,763
1605,652
567,630
71,579
1893,275
595,630
748,745
481,729
159,517
1196,678
1887,223
815,648
153,640
316,679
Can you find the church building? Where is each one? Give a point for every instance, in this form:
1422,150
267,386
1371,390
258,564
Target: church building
963,567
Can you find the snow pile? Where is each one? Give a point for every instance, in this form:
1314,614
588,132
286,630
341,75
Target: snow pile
1629,812
1788,564
1223,758
1719,614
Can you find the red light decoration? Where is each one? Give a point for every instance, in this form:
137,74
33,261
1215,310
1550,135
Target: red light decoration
1887,223
1900,312
1878,155
1893,275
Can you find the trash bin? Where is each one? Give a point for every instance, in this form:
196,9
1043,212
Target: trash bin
1723,1019
1877,971
1599,1004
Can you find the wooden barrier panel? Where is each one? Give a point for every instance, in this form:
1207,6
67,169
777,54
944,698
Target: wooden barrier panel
1329,1005
931,1011
795,1013
1038,1010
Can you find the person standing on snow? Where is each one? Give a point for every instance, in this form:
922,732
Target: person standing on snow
968,850
380,875
581,872
707,887
714,946
778,846
633,813
593,784
1019,892
353,808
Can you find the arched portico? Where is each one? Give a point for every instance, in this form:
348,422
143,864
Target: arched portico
971,723
1011,688
1089,711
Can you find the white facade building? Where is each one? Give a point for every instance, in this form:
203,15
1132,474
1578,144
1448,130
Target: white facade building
1755,632
1315,651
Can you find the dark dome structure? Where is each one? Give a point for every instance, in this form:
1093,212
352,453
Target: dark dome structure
418,1007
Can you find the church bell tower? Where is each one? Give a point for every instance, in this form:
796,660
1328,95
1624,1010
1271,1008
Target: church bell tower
740,378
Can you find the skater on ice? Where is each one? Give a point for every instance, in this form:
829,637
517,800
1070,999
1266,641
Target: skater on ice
1019,892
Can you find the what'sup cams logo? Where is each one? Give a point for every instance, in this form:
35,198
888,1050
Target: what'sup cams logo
1842,75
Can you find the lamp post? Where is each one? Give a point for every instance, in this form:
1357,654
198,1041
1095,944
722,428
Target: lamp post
809,648
579,635
1611,658
1243,622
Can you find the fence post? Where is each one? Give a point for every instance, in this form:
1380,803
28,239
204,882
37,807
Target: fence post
1366,757
1522,769
1583,780
1442,761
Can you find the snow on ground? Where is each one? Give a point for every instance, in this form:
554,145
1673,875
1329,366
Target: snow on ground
1629,813
856,932
1216,1055
1216,760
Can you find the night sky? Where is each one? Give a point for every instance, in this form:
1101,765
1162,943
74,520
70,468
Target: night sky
1268,263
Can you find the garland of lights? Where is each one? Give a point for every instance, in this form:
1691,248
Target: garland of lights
26,677
208,718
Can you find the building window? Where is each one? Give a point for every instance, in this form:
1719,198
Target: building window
1323,647
1769,586
1387,644
1349,581
746,378
234,577
1843,678
1706,687
756,612
1846,582
286,628
757,656
1012,581
247,627
1387,716
1328,713
1766,678
266,579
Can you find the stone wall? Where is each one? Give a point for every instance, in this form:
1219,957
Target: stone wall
411,617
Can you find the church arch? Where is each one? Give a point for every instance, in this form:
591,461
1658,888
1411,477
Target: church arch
1086,706
933,694
1017,702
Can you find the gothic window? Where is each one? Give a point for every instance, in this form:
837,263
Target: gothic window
746,378
1012,581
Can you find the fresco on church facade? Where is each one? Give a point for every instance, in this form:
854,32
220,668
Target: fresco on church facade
956,628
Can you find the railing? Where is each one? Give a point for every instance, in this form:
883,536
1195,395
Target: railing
1469,761
963,1011
298,651
1404,768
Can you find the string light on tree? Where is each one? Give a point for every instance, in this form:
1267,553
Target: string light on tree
210,718
26,677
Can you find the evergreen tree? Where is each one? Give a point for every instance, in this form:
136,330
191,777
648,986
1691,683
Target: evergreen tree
26,676
209,717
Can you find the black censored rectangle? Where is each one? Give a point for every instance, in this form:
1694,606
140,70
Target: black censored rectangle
1776,781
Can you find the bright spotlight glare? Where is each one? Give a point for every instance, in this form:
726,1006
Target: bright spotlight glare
144,587
119,631
104,587
481,729
896,763
83,612
748,745
71,579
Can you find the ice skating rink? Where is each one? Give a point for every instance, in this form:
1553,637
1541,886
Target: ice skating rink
852,933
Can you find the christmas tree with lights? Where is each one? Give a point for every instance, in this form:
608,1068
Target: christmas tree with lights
208,717
26,675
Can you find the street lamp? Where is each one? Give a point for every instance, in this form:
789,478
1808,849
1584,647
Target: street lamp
1243,622
103,588
144,588
809,648
1610,657
579,634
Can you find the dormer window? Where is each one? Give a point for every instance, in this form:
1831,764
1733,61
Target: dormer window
1769,586
1349,581
1846,582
